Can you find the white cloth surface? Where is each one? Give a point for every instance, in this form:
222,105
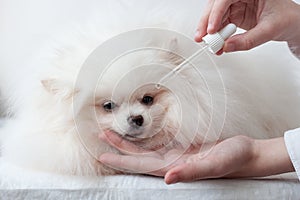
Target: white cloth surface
292,142
17,183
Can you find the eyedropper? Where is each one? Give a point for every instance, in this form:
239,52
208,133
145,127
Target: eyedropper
212,42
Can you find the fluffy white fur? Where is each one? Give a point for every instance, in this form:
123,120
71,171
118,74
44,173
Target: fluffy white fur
53,113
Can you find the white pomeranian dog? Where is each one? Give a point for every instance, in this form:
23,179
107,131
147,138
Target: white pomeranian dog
59,106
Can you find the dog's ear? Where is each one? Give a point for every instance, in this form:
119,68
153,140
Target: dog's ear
62,90
171,56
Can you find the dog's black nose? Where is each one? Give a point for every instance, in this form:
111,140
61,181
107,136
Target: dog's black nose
136,120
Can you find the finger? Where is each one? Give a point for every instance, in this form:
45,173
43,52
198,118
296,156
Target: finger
191,171
134,164
118,162
202,25
225,19
217,15
250,39
121,144
220,52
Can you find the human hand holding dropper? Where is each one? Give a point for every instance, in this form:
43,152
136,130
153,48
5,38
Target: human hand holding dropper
264,20
239,156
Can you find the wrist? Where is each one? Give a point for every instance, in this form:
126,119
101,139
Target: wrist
294,38
265,157
270,157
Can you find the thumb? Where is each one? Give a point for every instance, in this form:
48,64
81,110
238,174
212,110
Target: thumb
191,171
260,34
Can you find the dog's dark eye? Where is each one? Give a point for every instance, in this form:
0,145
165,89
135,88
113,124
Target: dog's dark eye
147,100
109,106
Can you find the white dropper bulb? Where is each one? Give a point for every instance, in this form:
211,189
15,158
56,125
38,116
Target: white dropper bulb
216,41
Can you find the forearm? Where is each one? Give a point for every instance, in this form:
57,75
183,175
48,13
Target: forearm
270,157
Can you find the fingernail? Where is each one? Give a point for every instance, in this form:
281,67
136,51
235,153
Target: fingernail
197,34
108,134
112,137
210,28
104,158
172,179
230,47
101,136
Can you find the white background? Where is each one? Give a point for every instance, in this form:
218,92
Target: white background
26,25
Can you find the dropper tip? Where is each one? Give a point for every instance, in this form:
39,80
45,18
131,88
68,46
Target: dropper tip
158,86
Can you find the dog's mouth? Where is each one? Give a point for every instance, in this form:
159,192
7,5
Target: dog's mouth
130,137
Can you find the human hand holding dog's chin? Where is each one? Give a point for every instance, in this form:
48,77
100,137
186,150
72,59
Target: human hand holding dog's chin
238,156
